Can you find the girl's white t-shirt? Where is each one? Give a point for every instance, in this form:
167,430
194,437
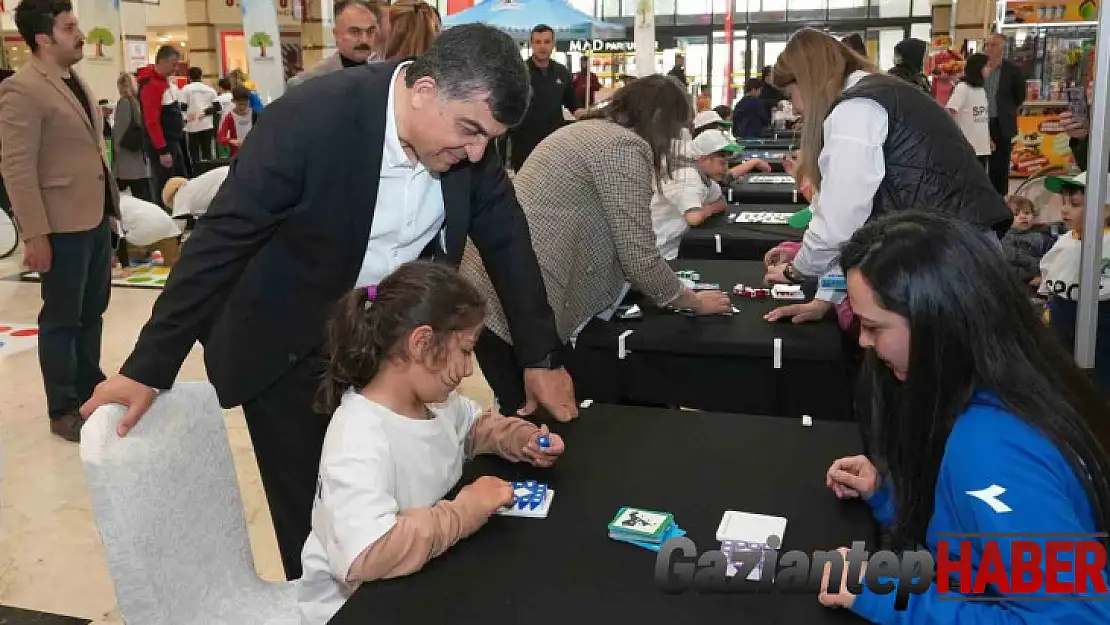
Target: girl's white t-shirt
1060,268
375,463
972,116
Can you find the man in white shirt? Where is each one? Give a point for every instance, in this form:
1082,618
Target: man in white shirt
691,195
329,196
198,99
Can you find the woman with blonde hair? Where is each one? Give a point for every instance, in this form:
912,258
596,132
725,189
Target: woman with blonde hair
413,25
871,144
130,166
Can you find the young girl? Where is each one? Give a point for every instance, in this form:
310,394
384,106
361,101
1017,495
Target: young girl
968,106
399,435
983,423
1060,275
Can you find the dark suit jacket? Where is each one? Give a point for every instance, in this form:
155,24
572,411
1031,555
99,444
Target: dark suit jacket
285,236
1011,95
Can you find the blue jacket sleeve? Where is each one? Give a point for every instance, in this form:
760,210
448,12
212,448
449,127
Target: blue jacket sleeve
1022,485
882,504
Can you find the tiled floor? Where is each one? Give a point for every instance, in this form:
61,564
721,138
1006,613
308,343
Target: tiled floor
51,558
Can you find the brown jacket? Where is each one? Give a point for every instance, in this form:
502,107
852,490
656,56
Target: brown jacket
51,155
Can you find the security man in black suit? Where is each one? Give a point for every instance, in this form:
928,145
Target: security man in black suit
289,233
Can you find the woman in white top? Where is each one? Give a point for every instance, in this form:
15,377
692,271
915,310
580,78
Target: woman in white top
871,144
969,107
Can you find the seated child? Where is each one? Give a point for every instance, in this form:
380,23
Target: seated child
1060,272
400,434
1025,244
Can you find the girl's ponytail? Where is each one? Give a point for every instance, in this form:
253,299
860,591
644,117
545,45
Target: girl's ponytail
353,347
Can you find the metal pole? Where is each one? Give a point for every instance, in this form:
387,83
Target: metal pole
1090,271
729,10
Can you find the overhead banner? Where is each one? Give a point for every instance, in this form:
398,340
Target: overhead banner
103,43
1051,11
263,40
643,37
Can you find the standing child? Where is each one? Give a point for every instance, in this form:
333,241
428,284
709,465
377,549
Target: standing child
399,435
1025,244
1060,275
969,107
238,122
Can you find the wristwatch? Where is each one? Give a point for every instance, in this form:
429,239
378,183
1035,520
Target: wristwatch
554,360
792,274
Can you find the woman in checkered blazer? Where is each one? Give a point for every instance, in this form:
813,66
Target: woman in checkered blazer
586,192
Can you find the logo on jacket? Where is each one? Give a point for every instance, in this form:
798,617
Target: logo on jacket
989,496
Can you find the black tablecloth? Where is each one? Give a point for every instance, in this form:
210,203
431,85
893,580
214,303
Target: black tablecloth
721,362
203,167
753,189
564,568
738,241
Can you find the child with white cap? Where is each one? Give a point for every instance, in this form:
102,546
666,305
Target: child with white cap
1060,271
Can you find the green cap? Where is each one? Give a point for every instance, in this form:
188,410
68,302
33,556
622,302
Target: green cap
1057,184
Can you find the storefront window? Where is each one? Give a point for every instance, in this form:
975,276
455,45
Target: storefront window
585,6
888,38
890,8
692,7
847,9
923,32
664,9
806,10
922,8
766,10
610,8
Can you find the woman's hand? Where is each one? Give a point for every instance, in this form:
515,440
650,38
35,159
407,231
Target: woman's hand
853,477
712,303
778,255
800,313
776,274
843,598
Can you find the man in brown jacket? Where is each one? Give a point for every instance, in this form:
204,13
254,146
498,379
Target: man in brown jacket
65,201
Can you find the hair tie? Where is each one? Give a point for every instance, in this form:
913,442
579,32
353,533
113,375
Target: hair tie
371,295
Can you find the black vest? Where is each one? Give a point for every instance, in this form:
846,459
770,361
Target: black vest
930,166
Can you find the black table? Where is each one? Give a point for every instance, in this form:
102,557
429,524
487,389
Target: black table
564,568
723,362
773,188
738,241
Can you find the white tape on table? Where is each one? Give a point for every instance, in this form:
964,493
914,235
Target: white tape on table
717,239
795,195
778,353
622,351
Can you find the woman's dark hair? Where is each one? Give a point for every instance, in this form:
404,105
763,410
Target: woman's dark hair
855,44
656,108
973,70
972,329
364,333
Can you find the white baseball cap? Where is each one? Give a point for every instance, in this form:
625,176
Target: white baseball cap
706,118
711,142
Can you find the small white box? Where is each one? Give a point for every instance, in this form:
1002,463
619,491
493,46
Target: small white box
744,531
787,291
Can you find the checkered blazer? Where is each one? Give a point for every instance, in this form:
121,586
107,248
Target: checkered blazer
586,193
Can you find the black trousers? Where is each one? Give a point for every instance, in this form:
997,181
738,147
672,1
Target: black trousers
75,293
288,437
999,169
200,145
160,175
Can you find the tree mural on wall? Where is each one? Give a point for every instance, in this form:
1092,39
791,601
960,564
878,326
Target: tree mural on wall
261,40
100,37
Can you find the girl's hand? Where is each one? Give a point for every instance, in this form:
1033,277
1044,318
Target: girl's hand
490,493
842,599
543,457
853,477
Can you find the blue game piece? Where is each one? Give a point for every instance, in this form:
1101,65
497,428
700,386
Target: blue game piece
544,441
535,500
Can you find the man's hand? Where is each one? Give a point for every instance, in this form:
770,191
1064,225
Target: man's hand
800,313
123,390
235,142
553,389
37,254
166,160
842,599
1075,127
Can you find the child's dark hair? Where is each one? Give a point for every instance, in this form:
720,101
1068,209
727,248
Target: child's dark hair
370,325
239,93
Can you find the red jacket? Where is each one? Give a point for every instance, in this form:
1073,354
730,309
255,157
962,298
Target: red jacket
162,116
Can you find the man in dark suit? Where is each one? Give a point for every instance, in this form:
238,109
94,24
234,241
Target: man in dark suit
1005,94
342,180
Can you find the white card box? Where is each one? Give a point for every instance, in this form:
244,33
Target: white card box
744,531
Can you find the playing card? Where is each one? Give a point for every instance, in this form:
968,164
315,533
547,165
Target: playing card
637,523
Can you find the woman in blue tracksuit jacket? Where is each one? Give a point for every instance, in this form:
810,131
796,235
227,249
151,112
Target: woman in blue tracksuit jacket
983,422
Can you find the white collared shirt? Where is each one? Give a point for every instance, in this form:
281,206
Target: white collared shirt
852,168
409,209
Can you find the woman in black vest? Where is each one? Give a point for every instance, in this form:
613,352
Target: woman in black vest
871,144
